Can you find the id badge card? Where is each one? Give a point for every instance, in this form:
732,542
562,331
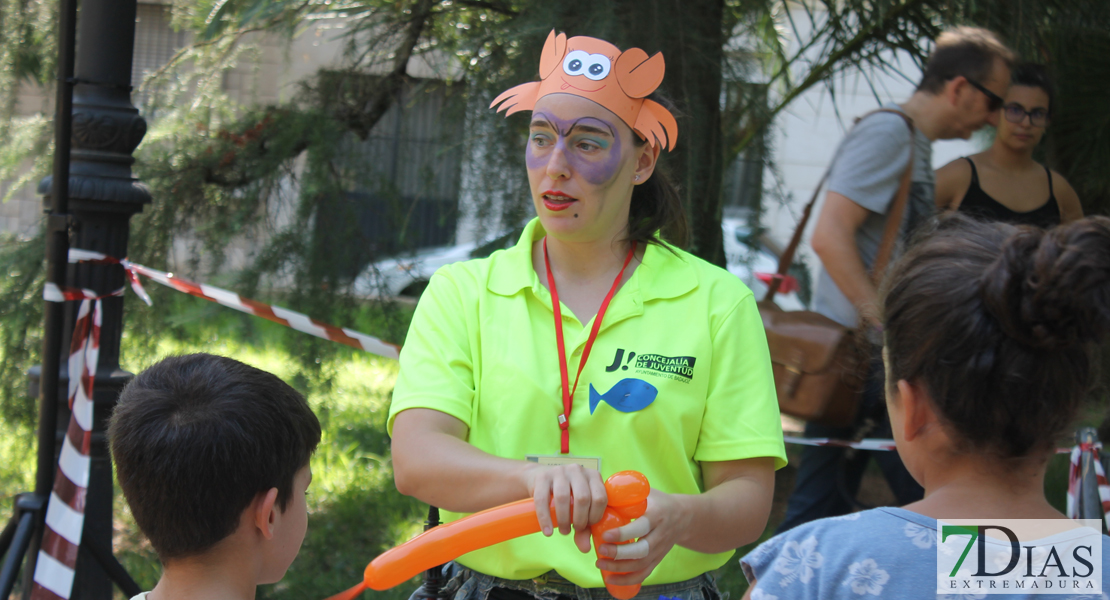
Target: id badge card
590,462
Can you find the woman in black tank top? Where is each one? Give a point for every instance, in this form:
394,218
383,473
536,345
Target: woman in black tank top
1004,183
979,204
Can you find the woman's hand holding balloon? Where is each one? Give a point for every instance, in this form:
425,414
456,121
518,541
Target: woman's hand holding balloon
656,533
710,522
577,495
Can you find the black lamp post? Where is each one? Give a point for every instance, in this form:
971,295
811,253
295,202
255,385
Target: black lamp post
102,197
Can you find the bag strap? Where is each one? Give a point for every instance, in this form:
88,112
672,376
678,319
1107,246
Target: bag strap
890,232
897,208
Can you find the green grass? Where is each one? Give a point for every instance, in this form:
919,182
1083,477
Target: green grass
355,511
17,462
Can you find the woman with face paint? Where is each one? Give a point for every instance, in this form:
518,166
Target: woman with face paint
593,346
1004,183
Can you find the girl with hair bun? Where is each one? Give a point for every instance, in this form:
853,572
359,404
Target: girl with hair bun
989,333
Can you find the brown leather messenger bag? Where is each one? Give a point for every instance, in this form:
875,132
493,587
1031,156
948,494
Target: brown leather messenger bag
820,365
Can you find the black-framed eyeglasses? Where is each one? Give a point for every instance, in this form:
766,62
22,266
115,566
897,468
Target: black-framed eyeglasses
994,101
1015,113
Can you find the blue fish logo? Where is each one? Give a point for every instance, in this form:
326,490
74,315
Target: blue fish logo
629,395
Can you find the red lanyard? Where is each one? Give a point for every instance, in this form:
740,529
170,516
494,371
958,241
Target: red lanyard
568,392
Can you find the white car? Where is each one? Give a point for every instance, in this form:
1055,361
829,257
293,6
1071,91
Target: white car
408,275
746,256
754,261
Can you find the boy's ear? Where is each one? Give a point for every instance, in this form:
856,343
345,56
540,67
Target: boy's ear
265,512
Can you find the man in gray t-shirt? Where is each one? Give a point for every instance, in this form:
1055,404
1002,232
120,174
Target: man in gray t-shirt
879,148
961,90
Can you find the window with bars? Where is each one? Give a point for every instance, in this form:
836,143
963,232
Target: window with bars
405,194
155,43
742,185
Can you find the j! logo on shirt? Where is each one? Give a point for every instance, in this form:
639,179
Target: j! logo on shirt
680,368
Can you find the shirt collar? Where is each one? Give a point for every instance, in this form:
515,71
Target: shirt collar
663,274
511,270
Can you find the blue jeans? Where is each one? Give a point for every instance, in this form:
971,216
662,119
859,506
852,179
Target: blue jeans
466,584
827,474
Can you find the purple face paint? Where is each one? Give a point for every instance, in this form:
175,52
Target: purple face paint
596,168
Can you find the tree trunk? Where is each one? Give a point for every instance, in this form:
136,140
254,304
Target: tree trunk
691,37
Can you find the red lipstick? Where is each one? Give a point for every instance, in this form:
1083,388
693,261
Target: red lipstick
555,200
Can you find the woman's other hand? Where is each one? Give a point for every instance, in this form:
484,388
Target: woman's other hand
575,492
658,531
731,512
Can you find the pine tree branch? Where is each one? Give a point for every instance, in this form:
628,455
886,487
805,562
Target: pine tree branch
496,7
390,86
832,63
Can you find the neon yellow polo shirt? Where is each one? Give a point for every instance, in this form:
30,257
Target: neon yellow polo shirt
481,348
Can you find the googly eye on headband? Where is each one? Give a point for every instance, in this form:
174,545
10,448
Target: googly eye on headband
597,70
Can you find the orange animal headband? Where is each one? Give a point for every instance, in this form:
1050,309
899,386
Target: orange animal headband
597,70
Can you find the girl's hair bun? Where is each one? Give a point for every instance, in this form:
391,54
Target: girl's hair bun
1051,289
995,321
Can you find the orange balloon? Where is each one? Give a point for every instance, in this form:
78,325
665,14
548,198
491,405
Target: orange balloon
625,488
627,499
450,541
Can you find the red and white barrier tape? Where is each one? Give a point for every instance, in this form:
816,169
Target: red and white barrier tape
53,293
1073,473
878,444
65,513
1075,477
277,314
864,444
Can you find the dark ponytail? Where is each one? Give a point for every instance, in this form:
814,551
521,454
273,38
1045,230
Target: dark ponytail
998,324
656,203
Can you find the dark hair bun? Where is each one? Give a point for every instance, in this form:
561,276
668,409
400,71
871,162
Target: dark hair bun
994,321
1050,290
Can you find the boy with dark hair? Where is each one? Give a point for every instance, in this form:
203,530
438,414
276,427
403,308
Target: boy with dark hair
212,456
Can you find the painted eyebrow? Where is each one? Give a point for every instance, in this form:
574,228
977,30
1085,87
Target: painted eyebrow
608,130
591,129
541,120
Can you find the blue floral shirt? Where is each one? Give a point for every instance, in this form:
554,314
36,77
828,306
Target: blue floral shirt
879,553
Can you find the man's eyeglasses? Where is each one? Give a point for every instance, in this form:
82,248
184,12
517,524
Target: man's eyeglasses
994,101
1015,113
